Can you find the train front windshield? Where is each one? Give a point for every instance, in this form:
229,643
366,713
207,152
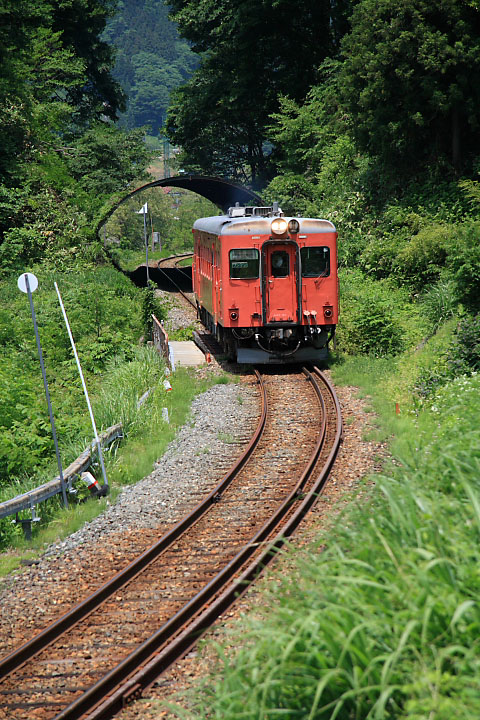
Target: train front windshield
315,261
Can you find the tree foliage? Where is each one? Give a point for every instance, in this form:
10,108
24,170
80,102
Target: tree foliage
251,53
54,74
61,153
151,60
410,80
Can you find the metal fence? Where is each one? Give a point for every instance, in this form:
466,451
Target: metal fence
160,341
29,500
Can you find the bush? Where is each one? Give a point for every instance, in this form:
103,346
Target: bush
464,354
461,358
464,261
421,260
150,306
295,194
369,317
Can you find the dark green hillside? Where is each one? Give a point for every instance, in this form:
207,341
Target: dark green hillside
151,60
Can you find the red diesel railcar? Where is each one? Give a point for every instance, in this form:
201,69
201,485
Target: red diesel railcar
266,285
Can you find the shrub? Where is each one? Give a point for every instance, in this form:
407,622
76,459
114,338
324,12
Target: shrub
421,260
149,307
464,260
295,194
461,357
464,353
369,320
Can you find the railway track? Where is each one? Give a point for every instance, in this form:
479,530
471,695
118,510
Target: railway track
103,654
174,261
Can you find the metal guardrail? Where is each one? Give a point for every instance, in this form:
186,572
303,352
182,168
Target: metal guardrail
28,500
160,337
161,342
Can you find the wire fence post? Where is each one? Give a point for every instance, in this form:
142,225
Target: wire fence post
72,342
28,283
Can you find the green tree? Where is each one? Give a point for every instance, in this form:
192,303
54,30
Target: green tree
105,160
411,81
151,60
81,24
61,154
54,75
251,52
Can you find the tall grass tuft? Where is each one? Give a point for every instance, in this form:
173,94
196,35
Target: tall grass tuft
124,384
440,302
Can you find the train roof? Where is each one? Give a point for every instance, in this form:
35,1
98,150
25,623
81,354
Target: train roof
257,220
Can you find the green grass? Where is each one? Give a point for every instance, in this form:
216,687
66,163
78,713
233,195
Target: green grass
147,436
63,522
131,259
379,619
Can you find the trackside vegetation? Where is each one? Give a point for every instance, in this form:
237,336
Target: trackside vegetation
379,617
107,313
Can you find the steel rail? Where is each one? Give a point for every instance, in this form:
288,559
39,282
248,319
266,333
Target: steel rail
14,660
175,257
179,257
125,682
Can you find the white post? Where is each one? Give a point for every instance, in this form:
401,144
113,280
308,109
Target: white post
28,283
72,342
146,239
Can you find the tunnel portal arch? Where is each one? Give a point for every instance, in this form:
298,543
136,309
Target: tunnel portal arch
223,193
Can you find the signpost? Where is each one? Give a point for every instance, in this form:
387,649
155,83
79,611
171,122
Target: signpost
144,211
28,283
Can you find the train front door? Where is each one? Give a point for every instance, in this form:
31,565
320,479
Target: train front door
279,282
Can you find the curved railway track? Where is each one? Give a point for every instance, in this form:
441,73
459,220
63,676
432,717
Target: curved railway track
174,261
104,653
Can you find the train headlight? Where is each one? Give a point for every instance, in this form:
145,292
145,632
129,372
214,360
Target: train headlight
293,227
279,226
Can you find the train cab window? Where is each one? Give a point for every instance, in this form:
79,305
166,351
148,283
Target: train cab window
244,263
280,264
315,261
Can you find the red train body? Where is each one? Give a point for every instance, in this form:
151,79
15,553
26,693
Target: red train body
266,285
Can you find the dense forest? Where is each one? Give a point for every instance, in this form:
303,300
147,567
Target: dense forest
363,112
150,60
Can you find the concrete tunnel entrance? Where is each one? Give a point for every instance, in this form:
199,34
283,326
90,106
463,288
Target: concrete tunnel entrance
223,193
169,279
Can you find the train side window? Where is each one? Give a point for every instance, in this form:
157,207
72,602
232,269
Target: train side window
244,263
280,264
315,261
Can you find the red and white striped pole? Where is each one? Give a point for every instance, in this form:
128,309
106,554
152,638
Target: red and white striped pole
90,482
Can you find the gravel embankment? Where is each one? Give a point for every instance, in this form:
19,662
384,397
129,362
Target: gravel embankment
222,418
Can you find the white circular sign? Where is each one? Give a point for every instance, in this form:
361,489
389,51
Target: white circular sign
32,281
